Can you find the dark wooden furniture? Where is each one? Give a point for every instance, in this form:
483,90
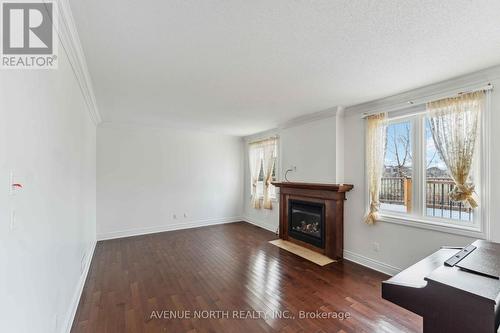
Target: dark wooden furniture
227,267
332,196
449,299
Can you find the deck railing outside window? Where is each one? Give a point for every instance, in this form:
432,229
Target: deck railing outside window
395,193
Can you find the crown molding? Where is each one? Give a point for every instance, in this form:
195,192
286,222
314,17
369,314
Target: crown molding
261,135
297,121
310,117
71,45
433,91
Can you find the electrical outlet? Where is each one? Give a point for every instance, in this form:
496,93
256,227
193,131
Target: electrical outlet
174,216
376,246
185,215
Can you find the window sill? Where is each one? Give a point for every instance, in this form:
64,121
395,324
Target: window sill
411,221
275,199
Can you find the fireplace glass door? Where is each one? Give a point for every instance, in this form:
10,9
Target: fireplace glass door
306,222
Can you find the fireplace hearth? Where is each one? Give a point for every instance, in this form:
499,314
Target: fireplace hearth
307,221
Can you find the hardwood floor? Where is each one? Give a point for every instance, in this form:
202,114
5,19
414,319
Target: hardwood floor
135,283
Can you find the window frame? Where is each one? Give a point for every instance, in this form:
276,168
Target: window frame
479,228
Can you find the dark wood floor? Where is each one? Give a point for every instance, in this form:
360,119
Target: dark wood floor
228,268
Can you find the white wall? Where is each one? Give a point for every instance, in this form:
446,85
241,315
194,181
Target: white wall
400,245
48,139
311,148
145,175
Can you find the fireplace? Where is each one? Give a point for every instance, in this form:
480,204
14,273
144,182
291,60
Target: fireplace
307,221
312,216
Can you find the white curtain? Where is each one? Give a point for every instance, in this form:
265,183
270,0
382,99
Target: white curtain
255,159
454,125
375,154
269,156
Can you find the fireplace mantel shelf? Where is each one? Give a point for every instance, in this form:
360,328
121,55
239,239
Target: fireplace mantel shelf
316,186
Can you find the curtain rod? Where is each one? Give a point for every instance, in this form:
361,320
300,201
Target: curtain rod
427,99
274,137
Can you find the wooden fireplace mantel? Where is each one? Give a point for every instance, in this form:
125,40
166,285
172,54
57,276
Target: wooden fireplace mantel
332,196
316,186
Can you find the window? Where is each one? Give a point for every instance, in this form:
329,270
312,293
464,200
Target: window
416,183
395,188
258,149
260,182
438,185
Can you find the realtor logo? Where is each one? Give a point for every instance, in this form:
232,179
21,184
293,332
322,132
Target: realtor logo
28,35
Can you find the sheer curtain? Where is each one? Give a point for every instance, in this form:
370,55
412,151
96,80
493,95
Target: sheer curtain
375,153
255,160
454,125
269,161
262,158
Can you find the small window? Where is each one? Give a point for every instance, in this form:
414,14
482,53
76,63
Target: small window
260,183
260,179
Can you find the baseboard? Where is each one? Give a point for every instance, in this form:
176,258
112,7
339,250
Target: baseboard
259,224
79,289
170,227
371,263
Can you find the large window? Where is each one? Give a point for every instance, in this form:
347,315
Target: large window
416,181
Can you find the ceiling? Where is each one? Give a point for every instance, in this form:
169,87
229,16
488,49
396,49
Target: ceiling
239,66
